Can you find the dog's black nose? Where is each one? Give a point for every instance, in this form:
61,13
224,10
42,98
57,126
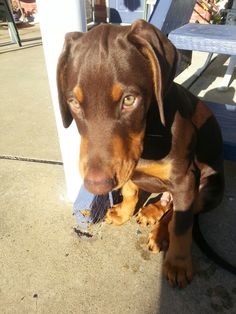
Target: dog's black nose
98,183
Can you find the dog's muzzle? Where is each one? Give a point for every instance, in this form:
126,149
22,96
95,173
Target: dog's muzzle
99,183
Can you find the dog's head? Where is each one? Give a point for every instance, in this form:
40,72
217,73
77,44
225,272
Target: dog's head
106,80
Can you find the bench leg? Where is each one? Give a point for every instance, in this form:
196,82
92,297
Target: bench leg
230,69
205,65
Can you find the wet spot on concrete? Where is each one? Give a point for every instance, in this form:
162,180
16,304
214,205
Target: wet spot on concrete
135,269
146,255
206,273
82,233
126,266
220,299
141,246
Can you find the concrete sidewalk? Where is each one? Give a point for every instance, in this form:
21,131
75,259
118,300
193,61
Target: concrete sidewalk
44,266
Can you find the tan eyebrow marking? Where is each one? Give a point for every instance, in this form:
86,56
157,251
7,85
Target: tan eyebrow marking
78,93
116,92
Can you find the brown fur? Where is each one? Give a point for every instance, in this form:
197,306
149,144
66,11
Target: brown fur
162,139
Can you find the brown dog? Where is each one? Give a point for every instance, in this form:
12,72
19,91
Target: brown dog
141,130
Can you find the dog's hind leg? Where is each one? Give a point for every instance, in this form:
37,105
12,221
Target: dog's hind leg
153,212
210,194
159,237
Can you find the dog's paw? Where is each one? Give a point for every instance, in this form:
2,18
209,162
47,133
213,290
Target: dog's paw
178,270
151,214
159,238
116,215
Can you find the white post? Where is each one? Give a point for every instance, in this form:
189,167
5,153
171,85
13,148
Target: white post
57,18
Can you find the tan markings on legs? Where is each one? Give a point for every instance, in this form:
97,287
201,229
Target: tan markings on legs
152,213
122,212
178,260
159,237
155,169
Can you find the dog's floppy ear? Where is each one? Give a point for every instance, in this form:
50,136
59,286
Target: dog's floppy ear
62,76
162,55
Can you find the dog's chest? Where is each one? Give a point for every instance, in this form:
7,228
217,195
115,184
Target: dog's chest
156,146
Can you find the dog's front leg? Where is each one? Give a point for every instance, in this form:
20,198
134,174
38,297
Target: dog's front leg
178,259
122,212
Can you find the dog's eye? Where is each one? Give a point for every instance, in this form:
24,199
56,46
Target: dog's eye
128,101
73,102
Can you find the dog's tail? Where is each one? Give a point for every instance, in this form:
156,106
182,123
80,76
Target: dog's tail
207,250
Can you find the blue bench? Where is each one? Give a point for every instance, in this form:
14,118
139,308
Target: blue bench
226,117
220,39
205,37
